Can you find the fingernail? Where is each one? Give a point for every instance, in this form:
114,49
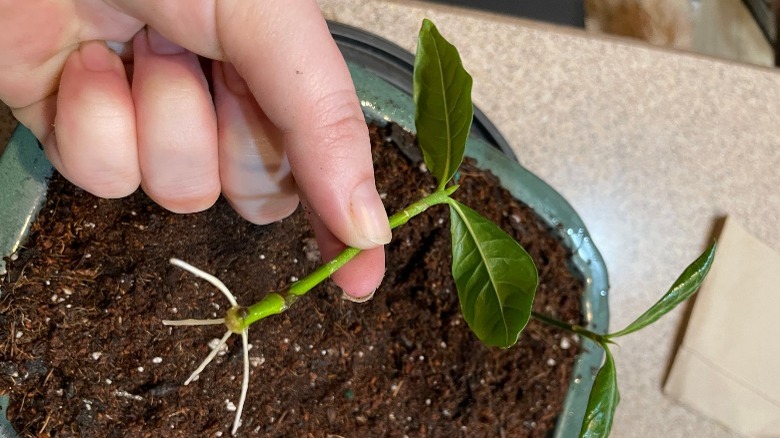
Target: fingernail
363,299
161,45
96,57
369,215
233,80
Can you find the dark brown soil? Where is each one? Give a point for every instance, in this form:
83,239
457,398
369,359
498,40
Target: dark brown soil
83,352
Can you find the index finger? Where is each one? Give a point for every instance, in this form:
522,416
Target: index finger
302,83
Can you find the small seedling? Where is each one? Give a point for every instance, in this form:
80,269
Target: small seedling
495,277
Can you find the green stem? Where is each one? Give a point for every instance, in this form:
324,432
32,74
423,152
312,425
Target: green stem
272,305
572,328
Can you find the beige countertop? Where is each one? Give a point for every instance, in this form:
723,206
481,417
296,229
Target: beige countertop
650,147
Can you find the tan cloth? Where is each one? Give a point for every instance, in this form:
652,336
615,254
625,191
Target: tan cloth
728,366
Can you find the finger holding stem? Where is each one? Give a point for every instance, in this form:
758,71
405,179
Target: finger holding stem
276,303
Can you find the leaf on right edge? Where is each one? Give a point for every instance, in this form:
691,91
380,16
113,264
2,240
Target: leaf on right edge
442,98
604,398
495,277
685,286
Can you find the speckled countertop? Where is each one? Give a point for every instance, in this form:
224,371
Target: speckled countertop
651,147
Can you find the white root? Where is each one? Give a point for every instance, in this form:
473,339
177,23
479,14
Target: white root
244,382
208,277
209,358
189,322
214,351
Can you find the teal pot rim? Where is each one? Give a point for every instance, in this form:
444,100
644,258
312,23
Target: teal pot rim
384,103
24,174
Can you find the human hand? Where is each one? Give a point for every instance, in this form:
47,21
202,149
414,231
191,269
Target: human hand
282,93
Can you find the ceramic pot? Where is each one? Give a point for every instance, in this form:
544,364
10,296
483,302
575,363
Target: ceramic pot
382,74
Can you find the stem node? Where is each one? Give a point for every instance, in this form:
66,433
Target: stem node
234,318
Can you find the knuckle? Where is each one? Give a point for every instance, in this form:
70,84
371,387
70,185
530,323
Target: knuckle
339,119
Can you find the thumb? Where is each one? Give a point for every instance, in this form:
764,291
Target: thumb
333,168
304,87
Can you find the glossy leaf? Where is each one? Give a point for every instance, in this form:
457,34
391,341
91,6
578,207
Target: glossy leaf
603,400
495,277
442,98
685,286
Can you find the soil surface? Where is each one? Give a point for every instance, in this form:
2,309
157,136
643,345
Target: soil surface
83,351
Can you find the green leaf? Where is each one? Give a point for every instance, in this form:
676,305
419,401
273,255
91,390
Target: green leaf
603,400
685,286
442,98
495,277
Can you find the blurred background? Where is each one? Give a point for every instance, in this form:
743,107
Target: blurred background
738,30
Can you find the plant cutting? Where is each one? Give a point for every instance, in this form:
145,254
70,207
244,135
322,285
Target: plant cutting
496,279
